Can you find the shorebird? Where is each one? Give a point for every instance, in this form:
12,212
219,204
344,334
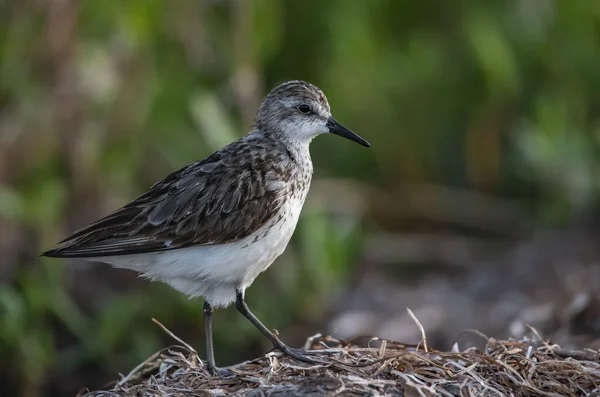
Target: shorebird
209,229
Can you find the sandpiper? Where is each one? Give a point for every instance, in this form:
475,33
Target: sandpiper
212,227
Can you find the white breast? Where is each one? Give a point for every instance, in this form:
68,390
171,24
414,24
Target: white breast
215,272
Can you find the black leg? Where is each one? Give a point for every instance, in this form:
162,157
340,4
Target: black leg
210,354
296,354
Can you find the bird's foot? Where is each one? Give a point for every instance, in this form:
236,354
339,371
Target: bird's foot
300,354
219,372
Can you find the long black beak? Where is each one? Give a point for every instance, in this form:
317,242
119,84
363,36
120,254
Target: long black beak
338,129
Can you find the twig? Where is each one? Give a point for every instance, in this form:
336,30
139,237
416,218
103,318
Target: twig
423,336
172,335
125,379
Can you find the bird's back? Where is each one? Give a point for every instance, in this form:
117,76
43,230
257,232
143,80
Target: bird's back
223,199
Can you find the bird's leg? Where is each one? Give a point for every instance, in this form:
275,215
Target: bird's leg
210,353
296,354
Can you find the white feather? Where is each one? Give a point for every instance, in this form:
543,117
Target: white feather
215,272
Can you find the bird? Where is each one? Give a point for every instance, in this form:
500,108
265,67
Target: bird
210,228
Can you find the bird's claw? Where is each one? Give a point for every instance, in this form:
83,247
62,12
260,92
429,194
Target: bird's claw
301,355
220,372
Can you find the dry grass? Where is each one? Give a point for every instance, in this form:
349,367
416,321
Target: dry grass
503,368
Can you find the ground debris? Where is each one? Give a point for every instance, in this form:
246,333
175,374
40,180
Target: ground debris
504,368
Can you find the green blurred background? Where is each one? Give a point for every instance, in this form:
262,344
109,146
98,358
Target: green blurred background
476,205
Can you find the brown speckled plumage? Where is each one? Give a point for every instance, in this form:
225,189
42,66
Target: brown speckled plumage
217,200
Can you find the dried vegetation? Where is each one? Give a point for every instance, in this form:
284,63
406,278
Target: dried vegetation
527,367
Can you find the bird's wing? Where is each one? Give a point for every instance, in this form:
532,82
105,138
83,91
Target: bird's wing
221,199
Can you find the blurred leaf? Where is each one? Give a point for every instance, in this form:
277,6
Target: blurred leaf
11,204
212,121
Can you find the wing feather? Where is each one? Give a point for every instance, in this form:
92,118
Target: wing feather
214,201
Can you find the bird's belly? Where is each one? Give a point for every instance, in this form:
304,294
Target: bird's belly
217,271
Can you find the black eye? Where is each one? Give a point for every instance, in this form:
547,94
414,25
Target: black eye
304,108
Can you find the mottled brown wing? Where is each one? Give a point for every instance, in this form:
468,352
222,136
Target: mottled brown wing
218,200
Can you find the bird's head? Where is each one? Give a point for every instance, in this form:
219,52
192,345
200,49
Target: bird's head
299,111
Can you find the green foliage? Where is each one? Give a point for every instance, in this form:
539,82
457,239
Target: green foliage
499,97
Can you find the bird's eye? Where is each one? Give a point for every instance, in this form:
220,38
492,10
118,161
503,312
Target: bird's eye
304,108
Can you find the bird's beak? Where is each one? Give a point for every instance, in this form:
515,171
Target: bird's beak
338,129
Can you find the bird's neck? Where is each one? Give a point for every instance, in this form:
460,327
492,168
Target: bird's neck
299,151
